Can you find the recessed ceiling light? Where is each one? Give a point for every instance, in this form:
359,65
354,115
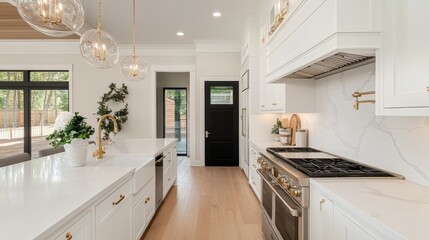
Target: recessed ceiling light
217,14
180,34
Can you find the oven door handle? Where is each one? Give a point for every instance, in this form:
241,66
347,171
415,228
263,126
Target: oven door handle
294,212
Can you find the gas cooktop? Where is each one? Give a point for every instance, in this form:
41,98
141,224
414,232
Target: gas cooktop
334,167
315,163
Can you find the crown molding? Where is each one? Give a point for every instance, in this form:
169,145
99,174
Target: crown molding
213,46
58,47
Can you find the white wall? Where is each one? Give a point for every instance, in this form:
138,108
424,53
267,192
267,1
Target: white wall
397,144
90,83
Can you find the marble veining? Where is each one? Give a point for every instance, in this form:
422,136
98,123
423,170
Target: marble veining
397,144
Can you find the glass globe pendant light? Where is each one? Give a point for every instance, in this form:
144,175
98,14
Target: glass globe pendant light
134,68
98,47
57,18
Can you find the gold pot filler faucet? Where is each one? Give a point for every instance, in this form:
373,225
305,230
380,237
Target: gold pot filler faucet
100,151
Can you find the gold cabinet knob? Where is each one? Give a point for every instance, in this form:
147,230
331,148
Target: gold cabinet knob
69,236
295,192
147,200
321,203
274,104
262,105
427,89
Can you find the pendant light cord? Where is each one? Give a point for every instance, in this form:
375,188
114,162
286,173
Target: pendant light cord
134,30
99,17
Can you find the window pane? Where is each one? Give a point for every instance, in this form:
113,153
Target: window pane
45,106
175,117
49,76
11,76
11,122
221,95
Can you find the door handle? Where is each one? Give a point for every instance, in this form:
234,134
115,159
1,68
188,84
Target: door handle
207,134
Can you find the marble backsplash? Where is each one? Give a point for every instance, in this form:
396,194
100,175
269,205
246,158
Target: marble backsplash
397,144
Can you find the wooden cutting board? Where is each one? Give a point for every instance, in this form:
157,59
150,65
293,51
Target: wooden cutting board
285,123
295,124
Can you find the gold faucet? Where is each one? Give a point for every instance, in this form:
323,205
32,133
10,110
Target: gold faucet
99,152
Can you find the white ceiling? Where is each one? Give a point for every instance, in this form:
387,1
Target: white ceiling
158,21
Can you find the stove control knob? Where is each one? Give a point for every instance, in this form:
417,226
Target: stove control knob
286,185
267,167
295,192
259,160
281,180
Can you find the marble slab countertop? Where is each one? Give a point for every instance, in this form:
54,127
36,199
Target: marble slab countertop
390,208
38,195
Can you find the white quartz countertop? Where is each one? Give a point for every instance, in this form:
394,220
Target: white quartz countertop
41,193
393,208
149,147
263,144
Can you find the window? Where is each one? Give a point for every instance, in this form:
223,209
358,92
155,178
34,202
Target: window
221,95
29,104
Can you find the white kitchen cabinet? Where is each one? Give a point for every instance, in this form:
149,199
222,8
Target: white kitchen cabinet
144,209
345,229
255,180
169,169
79,229
328,221
113,215
321,216
402,84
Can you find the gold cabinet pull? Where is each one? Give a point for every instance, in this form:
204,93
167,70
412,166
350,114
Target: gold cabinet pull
427,89
69,236
121,197
262,105
321,202
274,104
147,200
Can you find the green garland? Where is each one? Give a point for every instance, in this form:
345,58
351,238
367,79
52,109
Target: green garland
117,95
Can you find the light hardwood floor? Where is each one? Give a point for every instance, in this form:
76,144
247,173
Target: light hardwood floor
207,203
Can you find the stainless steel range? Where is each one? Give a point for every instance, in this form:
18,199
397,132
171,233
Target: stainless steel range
286,174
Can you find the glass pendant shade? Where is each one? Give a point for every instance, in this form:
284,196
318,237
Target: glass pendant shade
57,18
99,49
134,68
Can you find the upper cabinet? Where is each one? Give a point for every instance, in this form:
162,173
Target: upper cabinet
313,30
402,84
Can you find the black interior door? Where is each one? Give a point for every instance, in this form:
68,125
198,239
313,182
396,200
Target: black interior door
221,122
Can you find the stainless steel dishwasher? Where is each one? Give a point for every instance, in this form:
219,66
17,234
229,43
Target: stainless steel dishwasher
159,162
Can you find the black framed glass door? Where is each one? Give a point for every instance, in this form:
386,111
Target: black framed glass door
176,117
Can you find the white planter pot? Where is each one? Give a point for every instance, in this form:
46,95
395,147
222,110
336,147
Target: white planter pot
76,152
276,137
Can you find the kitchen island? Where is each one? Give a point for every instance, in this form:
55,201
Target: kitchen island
46,199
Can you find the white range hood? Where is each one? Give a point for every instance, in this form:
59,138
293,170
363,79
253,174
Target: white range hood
324,37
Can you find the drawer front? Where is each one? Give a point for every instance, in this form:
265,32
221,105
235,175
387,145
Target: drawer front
255,182
143,177
167,160
80,230
111,203
149,201
167,181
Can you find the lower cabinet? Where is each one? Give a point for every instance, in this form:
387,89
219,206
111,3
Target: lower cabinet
254,178
169,169
143,209
329,222
321,216
80,229
113,215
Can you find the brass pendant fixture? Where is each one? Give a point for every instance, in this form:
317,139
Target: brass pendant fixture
98,47
132,67
57,18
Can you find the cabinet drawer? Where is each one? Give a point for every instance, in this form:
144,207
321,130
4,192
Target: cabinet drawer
149,201
111,203
79,230
167,181
167,160
143,177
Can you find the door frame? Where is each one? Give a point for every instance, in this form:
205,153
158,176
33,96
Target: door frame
192,105
202,110
187,114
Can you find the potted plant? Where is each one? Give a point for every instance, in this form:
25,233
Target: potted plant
275,129
72,132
